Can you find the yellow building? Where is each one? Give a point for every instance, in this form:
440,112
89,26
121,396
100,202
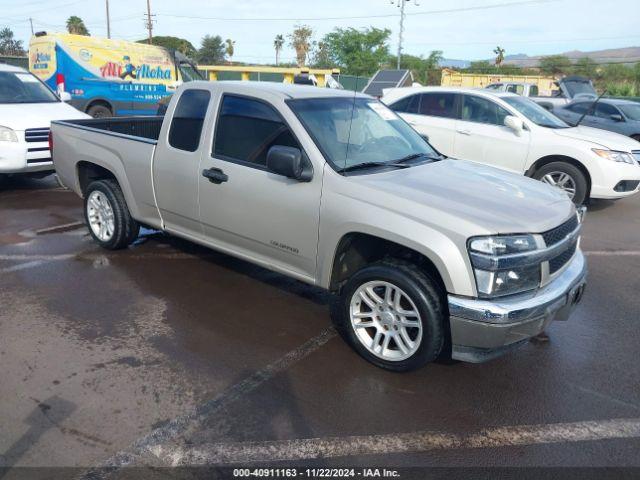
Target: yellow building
453,78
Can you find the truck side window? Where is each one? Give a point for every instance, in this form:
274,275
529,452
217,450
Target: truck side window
188,119
247,129
533,91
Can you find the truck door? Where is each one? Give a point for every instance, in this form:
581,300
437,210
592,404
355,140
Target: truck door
177,161
248,210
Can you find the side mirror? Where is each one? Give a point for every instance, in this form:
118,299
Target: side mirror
514,123
65,96
289,162
616,117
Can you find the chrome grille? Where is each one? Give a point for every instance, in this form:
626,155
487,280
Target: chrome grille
36,135
560,261
555,235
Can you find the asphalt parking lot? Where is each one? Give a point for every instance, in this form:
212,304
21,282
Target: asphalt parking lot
170,354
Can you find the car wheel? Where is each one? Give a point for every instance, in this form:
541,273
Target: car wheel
566,177
107,215
99,111
393,315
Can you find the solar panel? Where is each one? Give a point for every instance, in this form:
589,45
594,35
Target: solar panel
387,79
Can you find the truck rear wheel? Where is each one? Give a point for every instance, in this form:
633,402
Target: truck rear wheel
393,315
107,215
566,177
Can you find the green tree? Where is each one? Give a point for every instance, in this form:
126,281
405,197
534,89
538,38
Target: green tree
229,48
586,67
499,55
278,44
211,51
555,65
321,56
300,40
173,43
426,71
76,26
358,52
10,46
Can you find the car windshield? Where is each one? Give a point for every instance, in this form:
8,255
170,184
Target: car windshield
535,112
22,87
188,72
359,131
632,112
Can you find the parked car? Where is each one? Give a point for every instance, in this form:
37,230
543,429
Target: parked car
520,88
513,133
570,88
620,116
427,256
27,107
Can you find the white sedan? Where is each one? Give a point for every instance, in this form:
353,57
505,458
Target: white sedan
514,133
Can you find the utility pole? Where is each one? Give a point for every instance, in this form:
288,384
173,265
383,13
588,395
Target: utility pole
149,22
401,5
31,22
108,20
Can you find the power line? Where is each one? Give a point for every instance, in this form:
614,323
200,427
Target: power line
358,17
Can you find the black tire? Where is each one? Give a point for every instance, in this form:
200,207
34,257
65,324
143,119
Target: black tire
425,294
579,179
126,229
99,111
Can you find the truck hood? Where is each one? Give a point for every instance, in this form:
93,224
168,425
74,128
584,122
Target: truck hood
20,116
602,138
468,197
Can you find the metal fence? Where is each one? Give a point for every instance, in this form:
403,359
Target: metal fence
16,61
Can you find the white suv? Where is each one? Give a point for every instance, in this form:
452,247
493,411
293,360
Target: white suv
516,134
27,107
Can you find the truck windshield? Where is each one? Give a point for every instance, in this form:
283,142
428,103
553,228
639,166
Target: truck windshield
22,87
359,131
535,113
188,72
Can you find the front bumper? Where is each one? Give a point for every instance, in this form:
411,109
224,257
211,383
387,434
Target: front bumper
604,184
23,157
485,329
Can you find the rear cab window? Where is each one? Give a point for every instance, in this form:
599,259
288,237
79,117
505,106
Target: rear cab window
188,120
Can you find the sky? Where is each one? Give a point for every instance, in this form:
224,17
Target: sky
462,29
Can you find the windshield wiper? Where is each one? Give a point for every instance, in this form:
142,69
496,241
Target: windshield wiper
365,165
413,156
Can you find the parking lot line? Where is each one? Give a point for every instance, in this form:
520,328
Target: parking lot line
199,415
312,448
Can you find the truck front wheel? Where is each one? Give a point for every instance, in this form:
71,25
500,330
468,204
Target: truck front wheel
99,111
393,315
107,215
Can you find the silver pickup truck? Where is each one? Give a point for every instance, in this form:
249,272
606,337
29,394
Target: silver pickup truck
428,257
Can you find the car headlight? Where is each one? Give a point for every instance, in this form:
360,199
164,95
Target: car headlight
615,156
7,135
490,258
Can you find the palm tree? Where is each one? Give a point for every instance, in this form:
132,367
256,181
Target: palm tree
278,44
499,55
229,50
299,39
76,26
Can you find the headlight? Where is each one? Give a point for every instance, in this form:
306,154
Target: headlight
615,156
489,254
7,135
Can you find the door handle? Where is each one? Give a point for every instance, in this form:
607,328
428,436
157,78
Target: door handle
215,175
464,132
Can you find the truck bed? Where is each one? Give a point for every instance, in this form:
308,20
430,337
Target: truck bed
143,128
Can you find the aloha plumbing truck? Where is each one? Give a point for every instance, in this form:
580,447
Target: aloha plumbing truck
108,77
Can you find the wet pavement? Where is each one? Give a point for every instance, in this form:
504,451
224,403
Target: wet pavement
171,354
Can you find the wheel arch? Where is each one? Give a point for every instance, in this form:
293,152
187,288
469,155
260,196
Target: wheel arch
99,101
357,249
541,162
